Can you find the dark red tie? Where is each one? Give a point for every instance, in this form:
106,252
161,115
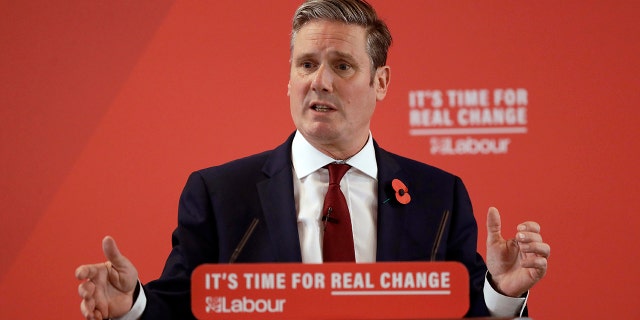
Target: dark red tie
337,243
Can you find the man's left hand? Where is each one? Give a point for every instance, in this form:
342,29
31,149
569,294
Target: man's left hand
515,264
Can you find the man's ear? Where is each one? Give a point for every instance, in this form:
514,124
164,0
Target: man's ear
381,81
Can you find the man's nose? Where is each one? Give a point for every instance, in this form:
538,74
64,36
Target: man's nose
323,79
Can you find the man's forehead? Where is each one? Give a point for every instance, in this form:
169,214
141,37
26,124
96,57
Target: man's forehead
336,36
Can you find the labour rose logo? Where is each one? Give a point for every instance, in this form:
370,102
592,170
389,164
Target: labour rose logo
214,304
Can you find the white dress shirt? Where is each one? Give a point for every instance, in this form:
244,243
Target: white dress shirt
359,186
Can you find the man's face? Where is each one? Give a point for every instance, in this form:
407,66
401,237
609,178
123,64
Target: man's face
331,94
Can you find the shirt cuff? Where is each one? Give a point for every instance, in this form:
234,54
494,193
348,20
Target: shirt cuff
138,306
500,305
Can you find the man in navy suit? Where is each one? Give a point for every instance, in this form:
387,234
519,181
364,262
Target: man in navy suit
338,73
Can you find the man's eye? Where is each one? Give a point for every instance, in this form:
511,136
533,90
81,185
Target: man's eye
307,65
343,67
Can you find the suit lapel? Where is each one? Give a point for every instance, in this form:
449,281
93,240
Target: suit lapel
389,221
405,232
276,198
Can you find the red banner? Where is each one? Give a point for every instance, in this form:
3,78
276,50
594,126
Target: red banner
405,290
106,107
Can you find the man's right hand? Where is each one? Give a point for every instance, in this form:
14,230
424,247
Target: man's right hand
108,287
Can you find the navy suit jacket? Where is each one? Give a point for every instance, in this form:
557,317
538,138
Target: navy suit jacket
218,204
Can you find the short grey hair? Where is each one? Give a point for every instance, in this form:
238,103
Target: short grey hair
357,12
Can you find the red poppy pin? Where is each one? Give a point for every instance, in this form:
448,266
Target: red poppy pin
402,192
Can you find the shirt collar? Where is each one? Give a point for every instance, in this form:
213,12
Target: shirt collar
307,159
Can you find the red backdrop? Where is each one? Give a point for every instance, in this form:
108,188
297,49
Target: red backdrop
106,107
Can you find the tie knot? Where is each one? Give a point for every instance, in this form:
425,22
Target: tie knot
337,171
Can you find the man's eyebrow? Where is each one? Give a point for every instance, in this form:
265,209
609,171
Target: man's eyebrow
333,54
344,55
304,56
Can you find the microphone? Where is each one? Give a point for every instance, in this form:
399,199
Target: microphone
327,218
436,244
243,241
